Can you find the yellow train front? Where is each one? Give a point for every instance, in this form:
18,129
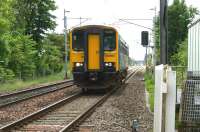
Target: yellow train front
98,55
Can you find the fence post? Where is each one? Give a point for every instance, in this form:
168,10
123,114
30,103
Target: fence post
170,102
157,127
164,99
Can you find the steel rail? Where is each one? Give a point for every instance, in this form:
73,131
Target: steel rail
55,105
133,73
18,96
36,114
32,89
89,111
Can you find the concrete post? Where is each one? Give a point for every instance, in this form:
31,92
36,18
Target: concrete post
164,99
157,127
170,102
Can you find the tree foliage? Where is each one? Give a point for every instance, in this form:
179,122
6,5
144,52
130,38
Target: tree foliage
50,58
57,40
25,49
180,58
35,17
157,38
21,55
179,16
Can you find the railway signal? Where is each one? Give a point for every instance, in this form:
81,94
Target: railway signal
145,38
145,41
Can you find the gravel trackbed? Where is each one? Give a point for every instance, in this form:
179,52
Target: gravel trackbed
119,111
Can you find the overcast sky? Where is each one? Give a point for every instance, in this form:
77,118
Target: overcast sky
108,12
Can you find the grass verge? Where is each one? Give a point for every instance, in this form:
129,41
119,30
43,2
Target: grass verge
149,84
20,84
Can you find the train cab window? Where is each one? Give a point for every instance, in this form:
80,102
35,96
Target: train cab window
109,40
78,40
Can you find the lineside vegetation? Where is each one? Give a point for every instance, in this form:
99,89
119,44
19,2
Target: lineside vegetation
27,52
179,16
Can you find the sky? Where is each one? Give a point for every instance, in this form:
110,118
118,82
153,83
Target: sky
108,12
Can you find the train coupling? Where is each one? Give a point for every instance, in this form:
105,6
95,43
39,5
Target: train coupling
93,76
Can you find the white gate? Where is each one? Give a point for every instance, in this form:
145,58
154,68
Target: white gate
164,99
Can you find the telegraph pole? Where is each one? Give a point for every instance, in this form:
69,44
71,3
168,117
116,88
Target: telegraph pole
65,42
163,31
163,48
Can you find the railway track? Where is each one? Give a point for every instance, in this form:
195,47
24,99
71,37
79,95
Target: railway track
9,99
134,71
63,115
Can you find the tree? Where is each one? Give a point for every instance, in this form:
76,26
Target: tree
35,17
21,55
180,58
49,58
157,39
179,16
25,48
57,40
5,23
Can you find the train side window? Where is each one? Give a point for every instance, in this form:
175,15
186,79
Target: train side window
109,40
78,41
123,48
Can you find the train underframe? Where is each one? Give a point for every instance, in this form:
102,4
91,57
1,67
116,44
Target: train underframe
95,80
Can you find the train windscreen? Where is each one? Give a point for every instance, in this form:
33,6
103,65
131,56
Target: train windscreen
109,40
78,40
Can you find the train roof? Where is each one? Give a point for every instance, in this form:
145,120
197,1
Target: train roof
103,27
99,26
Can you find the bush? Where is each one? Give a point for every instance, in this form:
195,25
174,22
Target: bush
21,54
49,59
180,58
5,74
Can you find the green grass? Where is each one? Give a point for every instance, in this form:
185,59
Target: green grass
19,84
149,84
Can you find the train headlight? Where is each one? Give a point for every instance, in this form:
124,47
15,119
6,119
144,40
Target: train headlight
78,64
108,64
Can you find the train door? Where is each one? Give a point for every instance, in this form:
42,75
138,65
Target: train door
93,52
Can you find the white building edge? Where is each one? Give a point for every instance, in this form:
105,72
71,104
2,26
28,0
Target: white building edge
194,47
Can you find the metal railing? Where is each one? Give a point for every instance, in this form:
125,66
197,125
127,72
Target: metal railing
181,76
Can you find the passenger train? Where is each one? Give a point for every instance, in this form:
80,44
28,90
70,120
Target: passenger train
98,55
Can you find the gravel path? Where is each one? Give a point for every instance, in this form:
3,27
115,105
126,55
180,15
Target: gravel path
118,112
19,110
